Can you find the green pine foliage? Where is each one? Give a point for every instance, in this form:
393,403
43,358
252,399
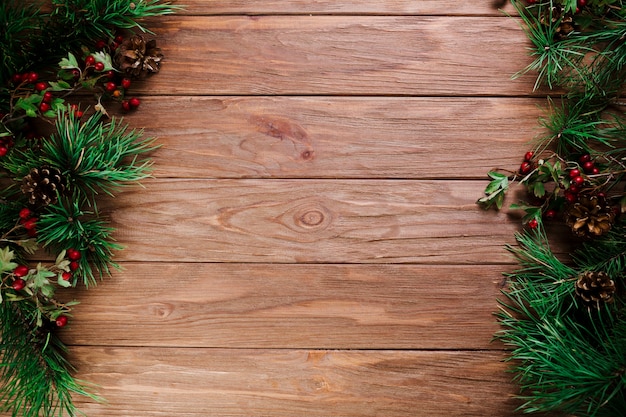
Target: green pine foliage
57,162
568,355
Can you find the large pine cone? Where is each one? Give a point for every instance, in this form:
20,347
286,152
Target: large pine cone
590,216
136,56
42,184
595,289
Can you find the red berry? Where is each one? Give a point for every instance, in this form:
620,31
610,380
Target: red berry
582,3
588,166
90,61
78,114
17,78
61,321
30,224
98,66
134,102
74,265
25,213
578,180
525,168
100,45
20,271
66,276
574,189
47,97
44,107
115,45
533,223
125,105
73,254
126,83
595,171
3,150
32,77
569,197
76,73
19,284
528,156
550,214
110,86
119,38
574,173
585,158
41,86
110,74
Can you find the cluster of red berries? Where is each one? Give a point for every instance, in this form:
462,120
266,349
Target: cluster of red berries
527,165
577,177
28,221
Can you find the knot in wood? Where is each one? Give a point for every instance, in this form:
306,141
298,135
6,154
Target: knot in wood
312,217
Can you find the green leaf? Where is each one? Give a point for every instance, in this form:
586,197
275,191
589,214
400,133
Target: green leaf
63,283
69,63
6,258
495,191
60,85
104,58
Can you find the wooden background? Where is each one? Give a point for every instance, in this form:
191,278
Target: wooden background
310,245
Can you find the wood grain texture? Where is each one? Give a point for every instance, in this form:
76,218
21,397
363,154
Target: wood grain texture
355,7
286,383
295,306
339,55
337,137
308,221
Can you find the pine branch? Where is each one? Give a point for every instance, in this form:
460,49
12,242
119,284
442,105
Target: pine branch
35,373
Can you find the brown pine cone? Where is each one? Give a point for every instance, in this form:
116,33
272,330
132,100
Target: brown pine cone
590,216
595,289
135,56
42,184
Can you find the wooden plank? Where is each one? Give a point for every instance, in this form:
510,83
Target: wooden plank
361,7
294,306
332,137
340,55
225,382
310,221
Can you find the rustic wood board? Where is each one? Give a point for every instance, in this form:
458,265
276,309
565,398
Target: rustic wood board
310,221
289,382
354,7
338,137
299,306
350,55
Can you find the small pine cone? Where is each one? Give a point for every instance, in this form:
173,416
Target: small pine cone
590,216
135,56
42,184
565,21
595,289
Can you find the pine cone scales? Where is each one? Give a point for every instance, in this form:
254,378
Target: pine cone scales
589,216
136,56
42,184
595,289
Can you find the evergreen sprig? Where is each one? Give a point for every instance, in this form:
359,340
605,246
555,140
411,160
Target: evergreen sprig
564,318
54,173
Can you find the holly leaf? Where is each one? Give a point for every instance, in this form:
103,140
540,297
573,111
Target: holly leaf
495,191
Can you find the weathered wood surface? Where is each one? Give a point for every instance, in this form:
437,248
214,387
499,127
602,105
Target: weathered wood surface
354,7
289,382
337,137
296,306
311,246
341,55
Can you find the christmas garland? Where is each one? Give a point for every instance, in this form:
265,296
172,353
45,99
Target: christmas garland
564,319
58,157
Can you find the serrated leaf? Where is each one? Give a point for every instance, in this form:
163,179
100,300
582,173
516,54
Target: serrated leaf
30,246
69,63
47,291
60,257
63,283
104,58
539,190
6,260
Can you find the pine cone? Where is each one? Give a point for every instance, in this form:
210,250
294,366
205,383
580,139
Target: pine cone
42,184
566,24
136,56
590,216
595,289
